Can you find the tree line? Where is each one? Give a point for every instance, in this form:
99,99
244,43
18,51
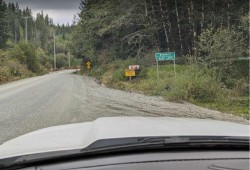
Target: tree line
12,26
132,28
210,33
20,58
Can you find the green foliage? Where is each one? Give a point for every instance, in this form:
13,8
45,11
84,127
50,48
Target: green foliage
4,73
44,59
22,60
15,68
17,53
103,29
118,75
221,47
4,29
26,54
191,83
61,60
97,72
11,69
36,56
194,84
242,87
112,29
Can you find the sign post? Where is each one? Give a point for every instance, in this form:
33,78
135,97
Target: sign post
157,70
174,69
130,73
164,57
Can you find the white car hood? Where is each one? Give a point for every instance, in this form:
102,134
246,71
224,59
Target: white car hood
80,135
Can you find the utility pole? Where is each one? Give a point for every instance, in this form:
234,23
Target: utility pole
15,33
69,59
26,29
54,50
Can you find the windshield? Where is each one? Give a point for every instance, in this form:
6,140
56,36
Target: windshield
64,62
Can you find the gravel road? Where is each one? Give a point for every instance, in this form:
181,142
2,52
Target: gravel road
62,98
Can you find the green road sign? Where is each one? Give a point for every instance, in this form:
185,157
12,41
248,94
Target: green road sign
165,56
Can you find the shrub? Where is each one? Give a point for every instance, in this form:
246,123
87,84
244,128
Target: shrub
194,84
16,69
26,54
242,87
118,75
97,72
220,47
142,72
4,73
61,60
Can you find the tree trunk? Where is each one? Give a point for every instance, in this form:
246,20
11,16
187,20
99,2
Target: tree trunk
194,29
179,27
164,26
157,41
202,15
190,29
146,9
228,16
222,19
212,24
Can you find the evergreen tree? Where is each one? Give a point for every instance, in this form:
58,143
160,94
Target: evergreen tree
4,29
125,28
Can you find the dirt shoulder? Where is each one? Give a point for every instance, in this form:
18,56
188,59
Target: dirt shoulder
133,104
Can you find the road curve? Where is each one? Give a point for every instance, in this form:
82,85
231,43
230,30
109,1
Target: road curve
63,97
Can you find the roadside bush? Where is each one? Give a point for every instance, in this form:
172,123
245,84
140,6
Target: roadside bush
75,63
4,74
26,54
194,84
97,72
44,60
242,87
107,78
17,53
61,60
142,72
118,75
226,51
11,68
16,69
220,47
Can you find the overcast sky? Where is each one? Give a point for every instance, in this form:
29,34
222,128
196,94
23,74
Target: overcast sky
61,11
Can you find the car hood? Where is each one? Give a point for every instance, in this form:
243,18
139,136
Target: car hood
80,135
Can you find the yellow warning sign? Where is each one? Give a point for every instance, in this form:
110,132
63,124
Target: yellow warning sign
88,65
129,73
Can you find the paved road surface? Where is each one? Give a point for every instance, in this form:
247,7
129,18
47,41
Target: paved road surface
63,98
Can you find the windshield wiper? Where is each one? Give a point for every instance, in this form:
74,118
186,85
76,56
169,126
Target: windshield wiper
198,140
167,142
133,144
